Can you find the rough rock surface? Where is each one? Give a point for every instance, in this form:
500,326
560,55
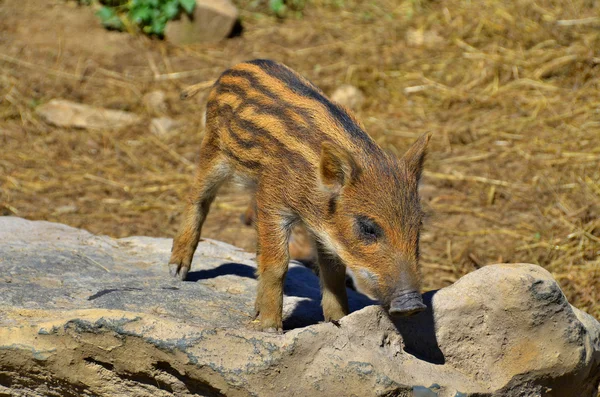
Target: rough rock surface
212,21
84,315
63,113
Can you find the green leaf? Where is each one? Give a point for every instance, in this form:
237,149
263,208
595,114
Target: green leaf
188,5
140,15
277,6
109,18
150,15
158,27
105,13
171,9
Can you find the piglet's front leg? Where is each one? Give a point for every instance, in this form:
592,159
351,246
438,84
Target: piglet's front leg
273,259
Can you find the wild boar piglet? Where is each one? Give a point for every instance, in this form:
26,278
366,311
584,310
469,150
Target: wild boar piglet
308,160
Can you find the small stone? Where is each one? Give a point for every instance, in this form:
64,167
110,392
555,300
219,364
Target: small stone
65,209
162,126
67,114
156,103
212,21
423,38
349,96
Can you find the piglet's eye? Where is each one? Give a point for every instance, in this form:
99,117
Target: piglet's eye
367,229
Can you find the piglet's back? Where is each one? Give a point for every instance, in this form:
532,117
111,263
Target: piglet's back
265,113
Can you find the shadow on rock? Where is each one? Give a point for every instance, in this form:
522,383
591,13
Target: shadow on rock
300,282
236,269
305,313
418,333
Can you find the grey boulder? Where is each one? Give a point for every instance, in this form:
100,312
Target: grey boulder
86,315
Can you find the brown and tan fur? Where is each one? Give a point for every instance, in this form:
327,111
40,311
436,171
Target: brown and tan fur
308,161
301,244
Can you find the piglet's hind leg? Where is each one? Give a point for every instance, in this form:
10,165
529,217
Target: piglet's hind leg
211,173
333,286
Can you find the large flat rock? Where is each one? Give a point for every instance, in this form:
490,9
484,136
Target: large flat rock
89,315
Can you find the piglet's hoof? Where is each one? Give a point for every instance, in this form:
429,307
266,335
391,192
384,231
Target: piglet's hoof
178,271
257,326
272,330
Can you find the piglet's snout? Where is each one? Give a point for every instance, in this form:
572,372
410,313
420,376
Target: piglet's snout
407,304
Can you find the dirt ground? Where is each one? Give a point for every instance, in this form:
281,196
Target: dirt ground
510,91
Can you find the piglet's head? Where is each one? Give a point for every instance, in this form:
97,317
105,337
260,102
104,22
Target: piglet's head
374,218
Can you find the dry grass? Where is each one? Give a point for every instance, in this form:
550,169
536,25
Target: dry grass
510,90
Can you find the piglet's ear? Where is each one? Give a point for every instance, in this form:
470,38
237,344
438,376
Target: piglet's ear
415,156
337,167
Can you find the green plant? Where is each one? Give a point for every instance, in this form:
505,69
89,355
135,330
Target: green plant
282,7
151,16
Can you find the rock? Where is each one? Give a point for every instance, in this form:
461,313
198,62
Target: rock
65,209
533,338
89,315
162,126
423,38
63,113
156,103
348,96
212,21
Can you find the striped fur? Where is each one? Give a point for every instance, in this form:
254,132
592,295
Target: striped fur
309,161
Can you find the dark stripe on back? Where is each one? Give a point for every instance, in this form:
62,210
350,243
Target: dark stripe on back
261,88
251,164
246,144
295,83
228,117
277,111
254,82
257,133
283,150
